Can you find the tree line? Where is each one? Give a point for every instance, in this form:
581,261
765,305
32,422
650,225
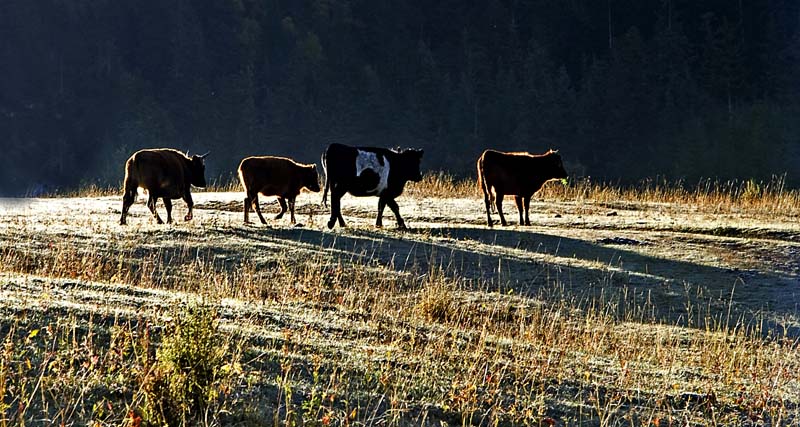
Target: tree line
626,89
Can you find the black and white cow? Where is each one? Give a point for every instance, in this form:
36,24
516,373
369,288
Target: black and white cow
368,171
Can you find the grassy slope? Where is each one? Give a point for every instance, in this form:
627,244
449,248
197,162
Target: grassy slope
662,311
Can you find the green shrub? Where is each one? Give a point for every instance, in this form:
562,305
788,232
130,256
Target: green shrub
191,376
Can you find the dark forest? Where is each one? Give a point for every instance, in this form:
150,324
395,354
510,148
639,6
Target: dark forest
625,89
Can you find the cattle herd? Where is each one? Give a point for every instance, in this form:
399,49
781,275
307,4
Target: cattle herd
361,171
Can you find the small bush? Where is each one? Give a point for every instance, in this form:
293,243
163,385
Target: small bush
191,376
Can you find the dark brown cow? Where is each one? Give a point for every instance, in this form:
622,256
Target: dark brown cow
275,176
517,174
165,173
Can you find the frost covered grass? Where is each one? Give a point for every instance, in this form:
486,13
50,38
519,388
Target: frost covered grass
584,319
326,341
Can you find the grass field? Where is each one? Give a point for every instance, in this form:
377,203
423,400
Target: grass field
659,304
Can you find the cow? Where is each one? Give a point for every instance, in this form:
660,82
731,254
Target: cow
165,173
519,174
368,171
275,176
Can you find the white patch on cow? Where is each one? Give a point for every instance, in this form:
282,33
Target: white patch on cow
369,160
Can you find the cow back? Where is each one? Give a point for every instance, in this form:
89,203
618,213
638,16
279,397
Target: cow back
370,171
518,173
165,172
277,176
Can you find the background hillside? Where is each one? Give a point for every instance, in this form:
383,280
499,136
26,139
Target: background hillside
626,89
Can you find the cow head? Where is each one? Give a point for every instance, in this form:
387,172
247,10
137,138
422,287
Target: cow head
558,170
311,178
410,164
198,167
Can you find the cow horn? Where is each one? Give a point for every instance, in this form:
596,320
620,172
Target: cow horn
204,155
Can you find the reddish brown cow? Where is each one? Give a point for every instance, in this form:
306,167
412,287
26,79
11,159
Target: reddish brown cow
166,174
275,176
518,174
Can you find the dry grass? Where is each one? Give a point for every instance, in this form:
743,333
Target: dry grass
322,340
708,195
443,184
89,190
713,196
357,343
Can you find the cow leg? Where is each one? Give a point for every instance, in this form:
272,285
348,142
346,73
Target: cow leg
257,207
187,197
488,207
291,209
527,202
247,206
518,202
339,215
282,202
336,207
127,200
168,205
151,203
381,207
396,210
499,203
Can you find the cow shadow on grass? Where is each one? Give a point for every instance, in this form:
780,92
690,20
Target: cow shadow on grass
532,262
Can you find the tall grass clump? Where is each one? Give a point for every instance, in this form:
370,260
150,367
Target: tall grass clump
443,184
92,189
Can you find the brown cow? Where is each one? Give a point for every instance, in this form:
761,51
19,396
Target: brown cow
165,173
275,176
518,174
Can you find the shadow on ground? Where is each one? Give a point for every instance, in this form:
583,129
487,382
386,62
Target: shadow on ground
532,262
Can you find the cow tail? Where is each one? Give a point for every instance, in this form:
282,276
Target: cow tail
482,182
130,186
327,181
241,180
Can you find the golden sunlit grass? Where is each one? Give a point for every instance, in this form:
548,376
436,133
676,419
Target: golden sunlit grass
319,341
443,184
713,196
708,195
89,190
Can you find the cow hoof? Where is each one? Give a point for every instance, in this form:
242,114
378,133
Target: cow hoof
299,225
331,224
187,218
